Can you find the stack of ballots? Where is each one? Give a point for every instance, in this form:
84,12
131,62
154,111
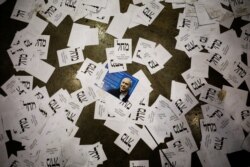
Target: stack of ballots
31,119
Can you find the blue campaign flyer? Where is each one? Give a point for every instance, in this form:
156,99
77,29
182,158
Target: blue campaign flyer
115,81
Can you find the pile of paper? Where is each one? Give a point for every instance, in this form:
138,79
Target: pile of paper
32,121
225,115
97,10
29,47
135,15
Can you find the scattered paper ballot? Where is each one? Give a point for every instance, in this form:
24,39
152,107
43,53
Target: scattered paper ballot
14,87
148,139
195,84
70,56
212,95
84,96
119,25
149,59
141,45
128,138
150,11
199,66
175,88
171,158
54,13
114,65
36,25
182,98
76,37
35,67
22,10
123,50
41,46
26,80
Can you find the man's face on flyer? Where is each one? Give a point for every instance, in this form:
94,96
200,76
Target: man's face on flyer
125,85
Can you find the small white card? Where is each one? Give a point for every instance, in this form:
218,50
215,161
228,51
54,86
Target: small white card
76,37
210,95
195,84
141,45
70,56
123,50
113,64
53,13
150,11
119,25
35,67
128,138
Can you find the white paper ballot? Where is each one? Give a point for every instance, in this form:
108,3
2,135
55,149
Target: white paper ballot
36,25
87,70
114,65
150,11
149,58
128,138
185,102
41,46
22,10
13,87
85,95
70,56
123,50
199,66
142,77
76,37
236,74
147,138
202,14
101,112
53,13
26,80
184,143
162,55
119,25
116,126
195,84
40,70
141,45
234,99
176,88
210,95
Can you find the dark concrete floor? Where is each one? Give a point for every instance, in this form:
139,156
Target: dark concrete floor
163,30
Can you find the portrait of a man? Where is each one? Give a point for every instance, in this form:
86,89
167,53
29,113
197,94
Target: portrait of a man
123,91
